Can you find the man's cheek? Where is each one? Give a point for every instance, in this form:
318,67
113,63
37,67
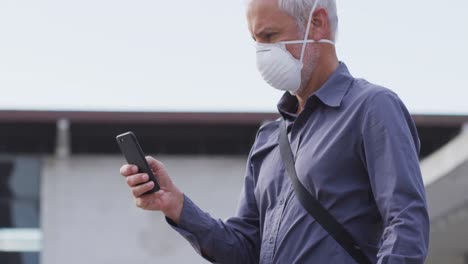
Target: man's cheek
295,50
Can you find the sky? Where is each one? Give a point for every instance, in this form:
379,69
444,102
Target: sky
177,56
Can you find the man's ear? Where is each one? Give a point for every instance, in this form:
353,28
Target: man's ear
319,28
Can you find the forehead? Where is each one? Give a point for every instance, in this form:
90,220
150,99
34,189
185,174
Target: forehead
264,14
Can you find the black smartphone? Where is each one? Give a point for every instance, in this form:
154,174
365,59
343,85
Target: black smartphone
134,155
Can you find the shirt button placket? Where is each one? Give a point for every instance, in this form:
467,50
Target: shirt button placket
278,215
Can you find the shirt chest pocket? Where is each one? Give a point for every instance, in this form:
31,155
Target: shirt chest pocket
329,167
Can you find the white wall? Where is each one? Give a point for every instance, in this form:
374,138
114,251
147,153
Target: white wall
88,215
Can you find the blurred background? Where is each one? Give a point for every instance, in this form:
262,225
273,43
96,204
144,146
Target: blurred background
181,75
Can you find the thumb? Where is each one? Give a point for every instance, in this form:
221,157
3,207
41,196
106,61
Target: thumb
154,164
158,169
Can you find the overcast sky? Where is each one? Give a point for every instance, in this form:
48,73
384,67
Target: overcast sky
198,55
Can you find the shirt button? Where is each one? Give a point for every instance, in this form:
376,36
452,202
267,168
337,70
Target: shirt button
281,202
272,240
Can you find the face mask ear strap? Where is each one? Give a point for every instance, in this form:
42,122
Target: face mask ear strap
326,41
306,35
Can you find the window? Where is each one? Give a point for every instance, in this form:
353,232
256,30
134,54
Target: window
20,236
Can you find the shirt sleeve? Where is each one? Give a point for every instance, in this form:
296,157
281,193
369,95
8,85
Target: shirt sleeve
391,149
236,240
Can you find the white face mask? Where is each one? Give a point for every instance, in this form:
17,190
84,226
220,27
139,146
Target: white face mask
278,67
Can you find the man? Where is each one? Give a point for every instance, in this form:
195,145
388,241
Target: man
355,148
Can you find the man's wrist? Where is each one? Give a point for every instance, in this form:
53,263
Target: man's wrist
176,211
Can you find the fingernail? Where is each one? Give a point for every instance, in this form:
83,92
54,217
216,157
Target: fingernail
150,183
134,169
145,177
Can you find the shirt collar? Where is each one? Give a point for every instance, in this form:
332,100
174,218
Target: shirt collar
331,93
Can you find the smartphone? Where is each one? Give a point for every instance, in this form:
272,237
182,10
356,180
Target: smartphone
134,155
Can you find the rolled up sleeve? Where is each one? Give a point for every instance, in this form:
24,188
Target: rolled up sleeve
391,148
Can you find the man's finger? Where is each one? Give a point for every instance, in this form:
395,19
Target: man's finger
128,169
158,195
153,163
139,202
137,191
137,179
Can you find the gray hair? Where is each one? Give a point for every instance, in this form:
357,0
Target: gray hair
300,9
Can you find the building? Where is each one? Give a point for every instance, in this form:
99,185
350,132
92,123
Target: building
62,199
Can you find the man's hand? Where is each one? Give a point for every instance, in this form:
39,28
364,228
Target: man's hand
169,199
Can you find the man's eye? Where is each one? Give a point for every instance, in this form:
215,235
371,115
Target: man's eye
269,35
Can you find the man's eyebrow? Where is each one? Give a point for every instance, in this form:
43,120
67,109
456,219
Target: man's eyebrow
263,32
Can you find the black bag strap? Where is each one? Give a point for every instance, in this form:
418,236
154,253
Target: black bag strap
314,207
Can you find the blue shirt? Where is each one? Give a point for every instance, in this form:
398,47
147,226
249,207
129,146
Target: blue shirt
356,150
